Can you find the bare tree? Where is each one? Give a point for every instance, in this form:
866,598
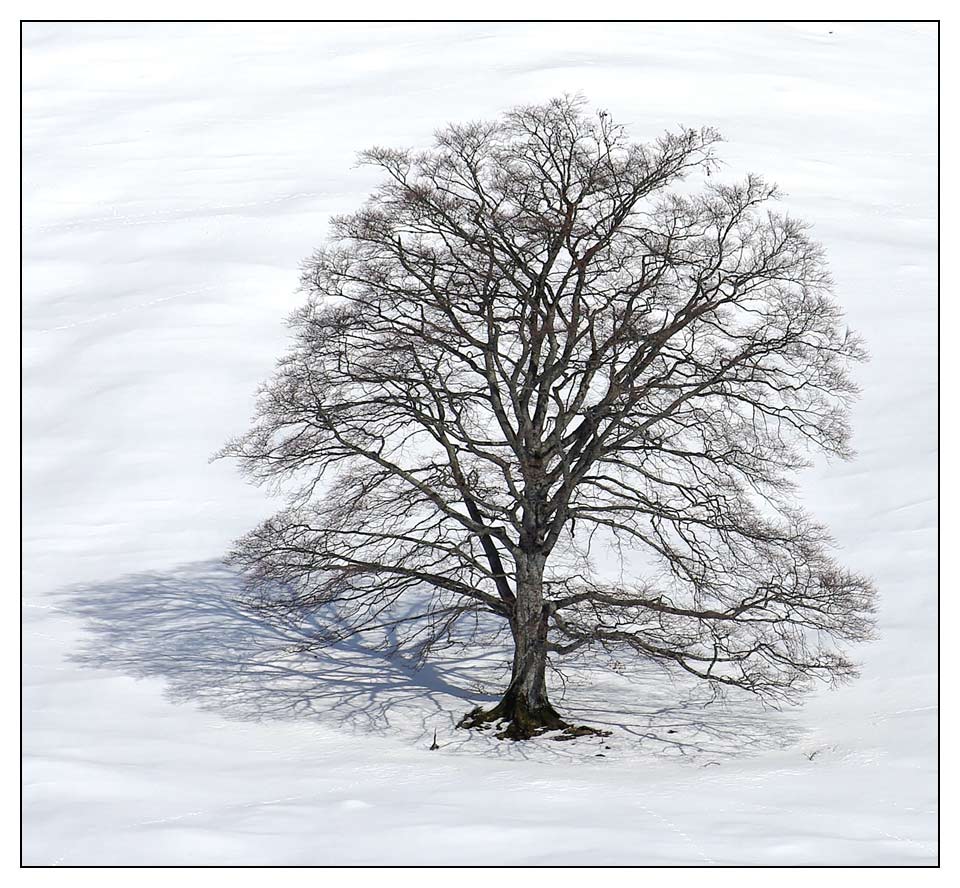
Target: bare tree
537,353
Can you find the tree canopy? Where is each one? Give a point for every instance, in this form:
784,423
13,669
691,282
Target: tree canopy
564,379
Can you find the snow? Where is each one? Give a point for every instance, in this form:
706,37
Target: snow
174,176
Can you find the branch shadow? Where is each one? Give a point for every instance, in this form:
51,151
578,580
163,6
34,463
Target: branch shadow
680,718
189,628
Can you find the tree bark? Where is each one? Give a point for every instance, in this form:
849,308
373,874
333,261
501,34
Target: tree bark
526,704
525,709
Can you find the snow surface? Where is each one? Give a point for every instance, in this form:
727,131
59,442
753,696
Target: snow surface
174,177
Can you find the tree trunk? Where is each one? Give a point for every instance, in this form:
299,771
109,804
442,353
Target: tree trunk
525,705
525,708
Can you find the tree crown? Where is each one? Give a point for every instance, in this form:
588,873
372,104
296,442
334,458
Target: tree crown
536,343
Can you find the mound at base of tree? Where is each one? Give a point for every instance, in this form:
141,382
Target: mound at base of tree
518,722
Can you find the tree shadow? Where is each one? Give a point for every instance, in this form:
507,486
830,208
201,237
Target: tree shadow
190,628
